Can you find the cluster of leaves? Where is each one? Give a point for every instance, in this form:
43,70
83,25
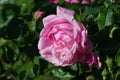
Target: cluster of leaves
19,34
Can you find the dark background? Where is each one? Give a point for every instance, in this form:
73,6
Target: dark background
19,35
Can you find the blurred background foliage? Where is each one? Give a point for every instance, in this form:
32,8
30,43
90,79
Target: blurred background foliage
19,34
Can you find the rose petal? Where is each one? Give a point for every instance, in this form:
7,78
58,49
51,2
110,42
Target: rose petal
66,13
53,1
87,1
64,41
72,1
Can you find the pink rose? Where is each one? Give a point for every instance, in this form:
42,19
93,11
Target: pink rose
38,14
87,1
53,1
64,41
77,1
72,1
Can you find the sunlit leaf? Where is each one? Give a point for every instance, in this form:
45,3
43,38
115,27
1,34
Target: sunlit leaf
117,58
104,72
104,18
111,32
2,41
6,22
109,16
91,77
61,74
109,62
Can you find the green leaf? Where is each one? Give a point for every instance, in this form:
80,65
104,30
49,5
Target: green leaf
1,52
36,60
26,6
24,2
6,22
1,18
117,58
61,1
90,10
109,62
91,77
2,41
28,67
109,16
112,31
4,1
104,72
7,1
61,74
101,19
13,47
46,77
104,18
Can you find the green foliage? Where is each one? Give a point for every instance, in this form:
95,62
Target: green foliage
19,34
104,18
117,58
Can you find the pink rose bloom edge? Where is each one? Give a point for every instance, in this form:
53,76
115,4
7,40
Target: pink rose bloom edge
68,15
